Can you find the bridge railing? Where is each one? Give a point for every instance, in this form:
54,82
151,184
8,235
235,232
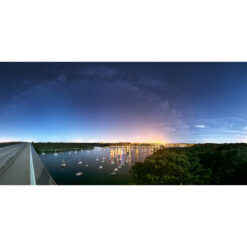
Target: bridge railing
40,175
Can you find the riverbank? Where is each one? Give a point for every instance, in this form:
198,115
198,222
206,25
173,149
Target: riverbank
5,144
201,164
48,147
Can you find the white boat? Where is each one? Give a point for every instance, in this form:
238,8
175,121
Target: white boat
79,173
115,170
80,162
63,164
100,167
86,165
113,173
103,161
119,167
112,162
97,159
43,153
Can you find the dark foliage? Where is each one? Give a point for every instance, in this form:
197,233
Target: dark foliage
4,144
60,146
65,146
215,164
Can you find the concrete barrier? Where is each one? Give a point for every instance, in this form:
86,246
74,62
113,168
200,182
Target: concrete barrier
42,175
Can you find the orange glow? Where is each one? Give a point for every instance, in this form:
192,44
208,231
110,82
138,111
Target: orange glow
144,135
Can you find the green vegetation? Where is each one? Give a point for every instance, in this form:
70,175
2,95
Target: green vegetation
4,144
64,146
202,164
47,147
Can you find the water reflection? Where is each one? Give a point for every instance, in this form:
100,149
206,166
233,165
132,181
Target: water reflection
97,166
127,154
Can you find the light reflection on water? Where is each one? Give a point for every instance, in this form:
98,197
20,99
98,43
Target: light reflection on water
97,165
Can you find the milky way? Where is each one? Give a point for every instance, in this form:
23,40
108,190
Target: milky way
162,102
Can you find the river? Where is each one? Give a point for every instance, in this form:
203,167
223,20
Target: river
98,166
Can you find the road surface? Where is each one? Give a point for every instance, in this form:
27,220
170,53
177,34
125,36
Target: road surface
8,152
21,165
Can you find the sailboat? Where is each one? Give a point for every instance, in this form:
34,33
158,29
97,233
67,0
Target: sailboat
80,162
63,163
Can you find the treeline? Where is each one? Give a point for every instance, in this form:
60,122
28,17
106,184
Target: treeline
202,164
65,146
4,144
60,146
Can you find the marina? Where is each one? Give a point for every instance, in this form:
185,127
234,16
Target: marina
107,166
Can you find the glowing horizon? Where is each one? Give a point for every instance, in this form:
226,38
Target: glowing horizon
123,102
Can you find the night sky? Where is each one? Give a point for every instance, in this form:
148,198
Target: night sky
112,102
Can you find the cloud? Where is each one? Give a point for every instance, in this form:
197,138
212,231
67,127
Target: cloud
200,126
245,128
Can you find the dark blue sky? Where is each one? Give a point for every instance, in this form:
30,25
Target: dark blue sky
171,102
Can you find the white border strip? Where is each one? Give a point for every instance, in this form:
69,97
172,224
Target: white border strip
32,175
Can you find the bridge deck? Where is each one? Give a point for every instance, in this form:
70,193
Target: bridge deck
24,169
